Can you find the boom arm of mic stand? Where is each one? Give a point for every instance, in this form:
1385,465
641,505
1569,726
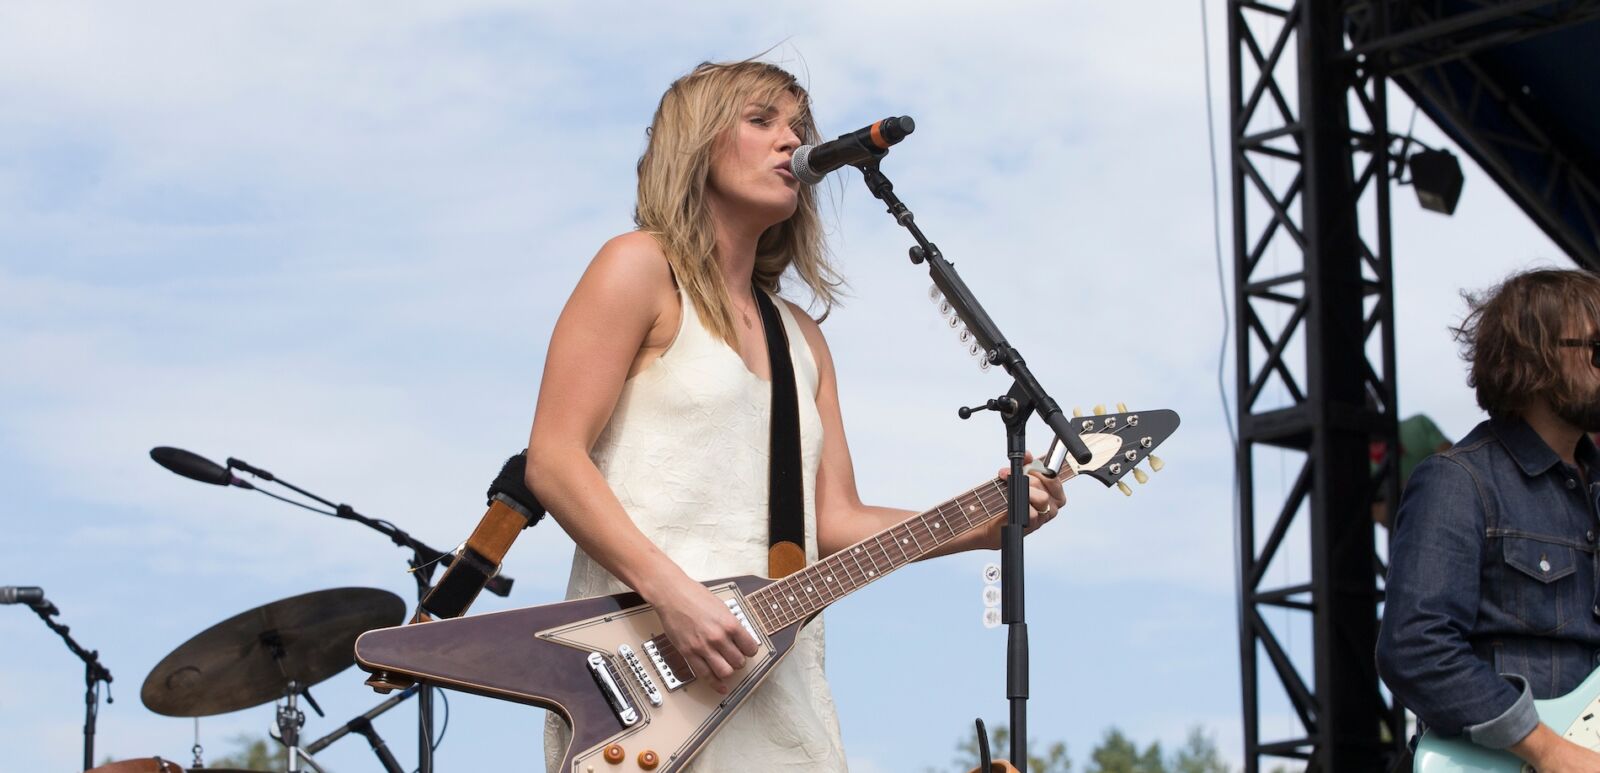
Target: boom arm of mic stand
354,725
972,313
499,585
425,556
94,672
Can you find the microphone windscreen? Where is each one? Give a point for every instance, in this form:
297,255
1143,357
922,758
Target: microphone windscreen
512,484
190,465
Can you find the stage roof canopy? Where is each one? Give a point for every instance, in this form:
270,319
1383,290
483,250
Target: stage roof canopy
1516,84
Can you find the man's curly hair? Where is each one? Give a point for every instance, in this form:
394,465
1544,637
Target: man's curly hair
1509,335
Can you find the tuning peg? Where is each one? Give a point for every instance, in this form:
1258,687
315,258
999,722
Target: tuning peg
1156,463
1122,407
1123,487
1100,410
1077,413
1140,476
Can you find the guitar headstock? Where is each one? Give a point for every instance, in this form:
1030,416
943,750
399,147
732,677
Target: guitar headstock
1119,442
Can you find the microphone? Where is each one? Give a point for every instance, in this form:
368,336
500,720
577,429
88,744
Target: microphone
813,162
196,467
14,594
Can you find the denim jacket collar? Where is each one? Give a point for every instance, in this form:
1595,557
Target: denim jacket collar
1529,450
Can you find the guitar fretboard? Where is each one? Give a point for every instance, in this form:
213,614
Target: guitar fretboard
808,591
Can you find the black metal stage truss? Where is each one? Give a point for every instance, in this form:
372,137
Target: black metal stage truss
1312,168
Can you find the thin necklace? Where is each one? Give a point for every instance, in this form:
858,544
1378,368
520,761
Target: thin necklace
746,314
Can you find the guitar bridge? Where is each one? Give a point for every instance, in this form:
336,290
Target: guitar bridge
610,683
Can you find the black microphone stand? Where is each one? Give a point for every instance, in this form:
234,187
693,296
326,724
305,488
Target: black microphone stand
362,725
1025,398
422,562
93,674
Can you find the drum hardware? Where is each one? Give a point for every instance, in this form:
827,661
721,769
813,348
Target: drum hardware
275,651
254,657
421,564
290,720
197,749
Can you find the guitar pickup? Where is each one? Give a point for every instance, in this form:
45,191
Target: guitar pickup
640,674
610,683
658,658
738,614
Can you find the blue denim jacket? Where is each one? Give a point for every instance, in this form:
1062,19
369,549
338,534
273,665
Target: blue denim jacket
1491,598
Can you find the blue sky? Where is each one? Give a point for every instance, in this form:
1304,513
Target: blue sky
332,240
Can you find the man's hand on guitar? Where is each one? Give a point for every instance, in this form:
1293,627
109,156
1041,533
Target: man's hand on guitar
705,633
1550,753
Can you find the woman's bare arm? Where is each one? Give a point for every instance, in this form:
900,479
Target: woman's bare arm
842,518
622,315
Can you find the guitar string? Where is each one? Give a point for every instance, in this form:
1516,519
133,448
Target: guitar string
996,495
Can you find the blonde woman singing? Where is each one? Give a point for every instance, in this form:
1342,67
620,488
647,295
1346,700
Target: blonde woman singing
650,442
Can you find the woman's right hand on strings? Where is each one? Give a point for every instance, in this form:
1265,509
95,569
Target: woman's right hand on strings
705,632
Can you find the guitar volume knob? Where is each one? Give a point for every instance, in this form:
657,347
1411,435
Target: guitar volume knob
614,754
649,759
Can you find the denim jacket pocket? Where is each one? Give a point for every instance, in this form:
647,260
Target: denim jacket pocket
1538,590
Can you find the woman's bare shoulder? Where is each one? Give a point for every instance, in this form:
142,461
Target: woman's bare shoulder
630,263
628,291
813,333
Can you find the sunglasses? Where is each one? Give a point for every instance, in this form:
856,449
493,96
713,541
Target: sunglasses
1592,343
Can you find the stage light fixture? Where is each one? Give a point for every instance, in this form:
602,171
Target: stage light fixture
1436,174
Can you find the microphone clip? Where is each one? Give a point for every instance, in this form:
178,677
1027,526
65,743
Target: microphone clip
243,466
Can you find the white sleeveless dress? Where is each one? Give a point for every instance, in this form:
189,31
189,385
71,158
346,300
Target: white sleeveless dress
686,453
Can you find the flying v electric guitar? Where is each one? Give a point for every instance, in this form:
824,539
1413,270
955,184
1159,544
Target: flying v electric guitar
632,702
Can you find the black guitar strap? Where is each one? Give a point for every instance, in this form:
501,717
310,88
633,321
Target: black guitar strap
786,511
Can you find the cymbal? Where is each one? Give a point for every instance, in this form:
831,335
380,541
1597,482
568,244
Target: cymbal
250,658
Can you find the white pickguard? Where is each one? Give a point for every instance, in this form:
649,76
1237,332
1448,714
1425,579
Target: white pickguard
683,714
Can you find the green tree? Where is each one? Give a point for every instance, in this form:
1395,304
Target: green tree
1199,754
1117,754
1054,759
253,753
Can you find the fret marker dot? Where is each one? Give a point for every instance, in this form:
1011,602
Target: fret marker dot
808,589
774,606
791,598
829,578
905,541
936,524
858,550
870,572
972,508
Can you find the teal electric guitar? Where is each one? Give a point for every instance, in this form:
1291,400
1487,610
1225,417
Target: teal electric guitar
1575,715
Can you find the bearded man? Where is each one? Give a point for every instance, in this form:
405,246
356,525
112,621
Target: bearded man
1491,594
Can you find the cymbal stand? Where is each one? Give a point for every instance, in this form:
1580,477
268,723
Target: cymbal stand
93,674
290,720
423,561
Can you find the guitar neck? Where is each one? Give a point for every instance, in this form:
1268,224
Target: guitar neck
806,592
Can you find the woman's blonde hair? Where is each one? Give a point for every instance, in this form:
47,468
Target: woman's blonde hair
696,113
